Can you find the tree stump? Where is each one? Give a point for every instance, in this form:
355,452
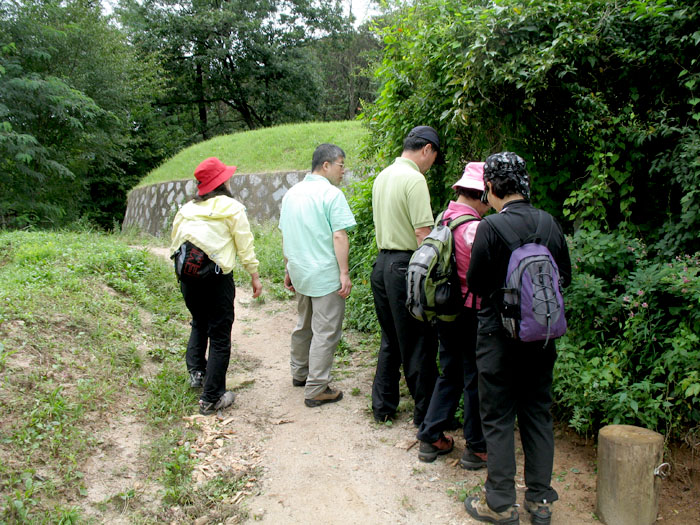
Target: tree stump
627,489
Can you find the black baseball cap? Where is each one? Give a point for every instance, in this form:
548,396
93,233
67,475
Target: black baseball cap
429,134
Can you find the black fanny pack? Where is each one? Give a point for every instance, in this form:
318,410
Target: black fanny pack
191,262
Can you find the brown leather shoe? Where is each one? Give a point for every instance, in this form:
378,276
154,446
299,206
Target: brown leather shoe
327,396
428,452
473,460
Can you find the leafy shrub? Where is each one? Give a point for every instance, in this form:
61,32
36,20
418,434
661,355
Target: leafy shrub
632,354
599,97
359,310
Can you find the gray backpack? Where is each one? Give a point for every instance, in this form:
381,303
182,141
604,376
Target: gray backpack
433,289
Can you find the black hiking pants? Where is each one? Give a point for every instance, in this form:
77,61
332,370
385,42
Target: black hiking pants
515,379
405,341
458,375
210,301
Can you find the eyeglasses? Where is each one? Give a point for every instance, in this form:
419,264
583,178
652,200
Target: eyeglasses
485,195
341,164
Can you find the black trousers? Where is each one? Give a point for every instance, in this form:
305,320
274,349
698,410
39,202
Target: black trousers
405,341
210,301
458,375
515,378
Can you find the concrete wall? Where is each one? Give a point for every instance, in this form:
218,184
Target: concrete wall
151,208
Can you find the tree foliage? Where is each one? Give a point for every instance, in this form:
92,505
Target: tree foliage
72,95
344,59
244,64
599,97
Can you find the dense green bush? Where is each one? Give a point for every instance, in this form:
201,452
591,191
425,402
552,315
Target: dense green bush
632,353
359,311
599,97
601,100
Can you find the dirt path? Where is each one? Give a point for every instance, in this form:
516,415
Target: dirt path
334,464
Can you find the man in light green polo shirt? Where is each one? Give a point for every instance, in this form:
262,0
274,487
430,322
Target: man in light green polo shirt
402,218
314,218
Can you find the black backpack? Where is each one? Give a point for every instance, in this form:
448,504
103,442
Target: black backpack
192,263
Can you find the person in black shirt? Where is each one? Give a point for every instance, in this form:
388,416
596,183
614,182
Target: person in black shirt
515,377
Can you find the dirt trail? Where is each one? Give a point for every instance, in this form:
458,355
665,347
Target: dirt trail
333,464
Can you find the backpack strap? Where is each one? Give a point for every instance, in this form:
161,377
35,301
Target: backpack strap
455,221
507,234
510,237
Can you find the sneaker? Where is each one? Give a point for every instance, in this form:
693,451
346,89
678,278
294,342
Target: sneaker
327,396
297,382
196,379
428,452
540,512
224,401
473,460
478,509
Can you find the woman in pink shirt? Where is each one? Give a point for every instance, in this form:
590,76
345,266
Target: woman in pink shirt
458,341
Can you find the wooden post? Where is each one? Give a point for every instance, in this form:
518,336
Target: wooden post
627,489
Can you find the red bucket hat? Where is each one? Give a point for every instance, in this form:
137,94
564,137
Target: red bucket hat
211,173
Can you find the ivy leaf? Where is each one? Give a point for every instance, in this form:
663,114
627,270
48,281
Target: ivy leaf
692,390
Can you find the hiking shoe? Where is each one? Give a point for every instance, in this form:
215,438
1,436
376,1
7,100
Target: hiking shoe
540,512
428,452
196,379
478,509
327,396
224,401
297,382
386,418
473,460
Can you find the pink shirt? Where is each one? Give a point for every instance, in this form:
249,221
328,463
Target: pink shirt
464,238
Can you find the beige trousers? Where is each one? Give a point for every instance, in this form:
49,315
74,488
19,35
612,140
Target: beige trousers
314,340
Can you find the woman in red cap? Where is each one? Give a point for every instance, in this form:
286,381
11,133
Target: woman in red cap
214,223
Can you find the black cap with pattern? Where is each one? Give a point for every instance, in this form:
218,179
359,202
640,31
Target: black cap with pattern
508,165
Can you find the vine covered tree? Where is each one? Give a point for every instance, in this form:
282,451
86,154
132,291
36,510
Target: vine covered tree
600,97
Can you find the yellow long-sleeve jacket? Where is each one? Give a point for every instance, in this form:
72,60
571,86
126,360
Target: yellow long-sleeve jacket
220,227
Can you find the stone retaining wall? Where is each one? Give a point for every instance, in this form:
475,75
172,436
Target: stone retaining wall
151,208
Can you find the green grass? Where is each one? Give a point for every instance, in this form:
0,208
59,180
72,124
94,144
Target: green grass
93,328
280,148
75,308
90,327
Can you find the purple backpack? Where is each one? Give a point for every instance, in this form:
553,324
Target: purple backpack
533,305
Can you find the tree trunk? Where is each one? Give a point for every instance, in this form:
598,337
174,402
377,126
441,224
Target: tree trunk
203,125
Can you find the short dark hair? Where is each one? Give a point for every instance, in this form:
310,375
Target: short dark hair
325,153
416,143
470,193
501,187
221,189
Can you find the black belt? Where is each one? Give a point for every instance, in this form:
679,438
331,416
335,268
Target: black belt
395,251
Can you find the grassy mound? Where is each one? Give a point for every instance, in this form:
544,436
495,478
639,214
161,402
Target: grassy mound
279,148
